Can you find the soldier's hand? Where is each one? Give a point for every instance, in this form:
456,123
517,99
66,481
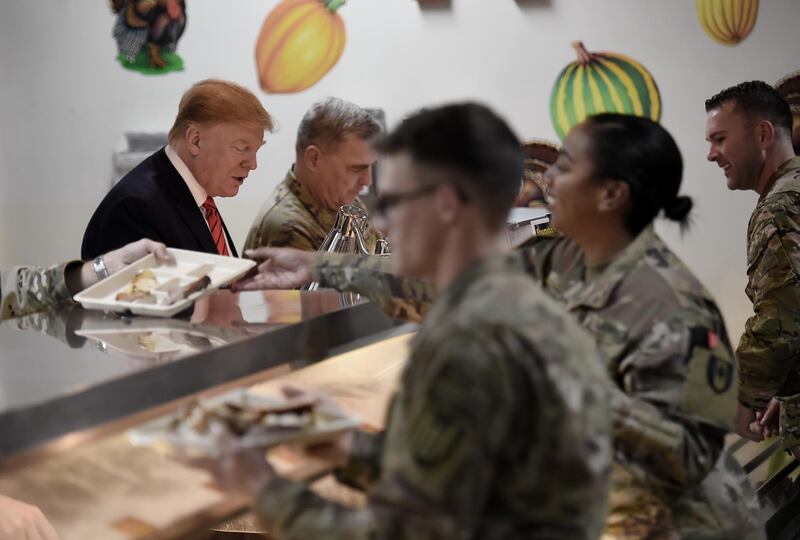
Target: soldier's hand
118,259
769,419
282,268
335,452
746,425
22,521
240,472
82,276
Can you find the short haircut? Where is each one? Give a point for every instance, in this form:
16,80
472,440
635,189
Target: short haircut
329,121
470,141
758,100
644,155
215,101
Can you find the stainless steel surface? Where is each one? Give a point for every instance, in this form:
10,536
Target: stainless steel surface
346,236
71,370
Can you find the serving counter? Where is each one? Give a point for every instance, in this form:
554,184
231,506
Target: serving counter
73,381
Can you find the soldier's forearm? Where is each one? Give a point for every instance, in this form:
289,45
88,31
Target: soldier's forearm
371,276
662,448
25,290
767,352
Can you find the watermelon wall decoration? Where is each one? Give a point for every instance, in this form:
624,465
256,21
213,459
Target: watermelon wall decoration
602,82
727,21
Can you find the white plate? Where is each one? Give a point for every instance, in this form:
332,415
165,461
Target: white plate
328,424
190,265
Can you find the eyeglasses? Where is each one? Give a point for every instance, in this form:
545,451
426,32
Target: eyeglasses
385,201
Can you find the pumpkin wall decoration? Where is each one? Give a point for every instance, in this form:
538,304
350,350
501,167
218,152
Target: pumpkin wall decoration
789,88
727,21
300,42
602,82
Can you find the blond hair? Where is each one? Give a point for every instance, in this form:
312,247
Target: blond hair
214,101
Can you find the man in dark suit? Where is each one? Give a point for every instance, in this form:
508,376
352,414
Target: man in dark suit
169,197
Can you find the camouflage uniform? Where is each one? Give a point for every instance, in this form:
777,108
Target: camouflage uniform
668,352
500,428
295,219
769,350
26,290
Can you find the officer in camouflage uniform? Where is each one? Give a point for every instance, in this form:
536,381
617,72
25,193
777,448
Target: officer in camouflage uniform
25,290
333,164
749,128
501,427
664,342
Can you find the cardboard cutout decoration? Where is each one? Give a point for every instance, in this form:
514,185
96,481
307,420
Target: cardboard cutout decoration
147,34
602,82
727,22
300,42
789,88
539,156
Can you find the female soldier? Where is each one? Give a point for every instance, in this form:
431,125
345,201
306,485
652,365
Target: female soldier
667,350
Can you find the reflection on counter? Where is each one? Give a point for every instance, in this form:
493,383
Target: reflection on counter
213,321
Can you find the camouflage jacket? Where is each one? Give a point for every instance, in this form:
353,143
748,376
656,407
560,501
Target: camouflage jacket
293,218
769,350
668,352
25,290
500,427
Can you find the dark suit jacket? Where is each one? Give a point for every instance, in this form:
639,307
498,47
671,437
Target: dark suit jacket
152,201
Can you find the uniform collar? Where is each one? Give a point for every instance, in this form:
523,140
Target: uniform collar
324,216
782,171
596,293
198,193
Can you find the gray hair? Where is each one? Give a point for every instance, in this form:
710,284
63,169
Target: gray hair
329,121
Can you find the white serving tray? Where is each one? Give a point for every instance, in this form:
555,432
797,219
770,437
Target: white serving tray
189,265
329,424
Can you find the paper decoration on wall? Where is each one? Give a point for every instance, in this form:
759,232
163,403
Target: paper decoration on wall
727,21
300,42
147,34
602,82
539,156
789,88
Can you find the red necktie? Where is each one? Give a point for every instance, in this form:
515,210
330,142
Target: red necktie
215,224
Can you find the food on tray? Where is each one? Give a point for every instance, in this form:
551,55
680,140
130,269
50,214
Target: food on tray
144,288
248,417
141,287
179,293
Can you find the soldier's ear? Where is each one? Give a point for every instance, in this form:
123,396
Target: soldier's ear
613,195
448,202
192,140
766,133
312,155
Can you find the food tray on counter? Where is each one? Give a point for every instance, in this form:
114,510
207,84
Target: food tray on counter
182,432
189,267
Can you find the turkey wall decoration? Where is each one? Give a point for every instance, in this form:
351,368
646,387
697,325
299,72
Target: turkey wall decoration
727,22
789,88
147,34
300,42
602,82
540,154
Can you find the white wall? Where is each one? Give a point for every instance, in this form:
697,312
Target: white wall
65,102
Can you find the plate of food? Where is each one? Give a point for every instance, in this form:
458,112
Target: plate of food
147,287
240,420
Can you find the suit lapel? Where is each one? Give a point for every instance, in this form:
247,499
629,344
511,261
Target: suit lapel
185,204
